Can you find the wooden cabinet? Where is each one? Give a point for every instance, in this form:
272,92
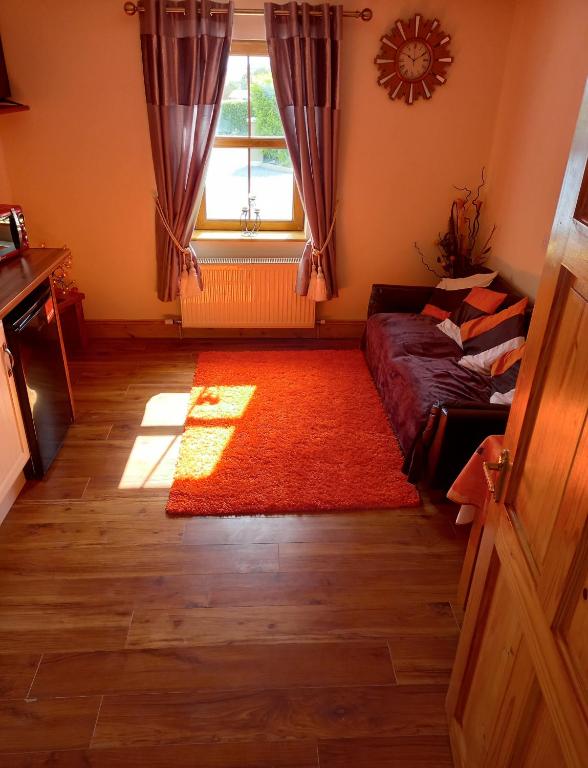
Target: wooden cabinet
14,451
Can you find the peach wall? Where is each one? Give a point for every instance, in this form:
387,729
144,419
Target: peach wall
5,186
547,64
80,162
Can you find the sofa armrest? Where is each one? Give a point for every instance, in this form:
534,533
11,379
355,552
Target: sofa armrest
469,410
460,429
398,298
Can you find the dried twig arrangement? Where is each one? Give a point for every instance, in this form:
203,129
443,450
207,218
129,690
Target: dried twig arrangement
458,256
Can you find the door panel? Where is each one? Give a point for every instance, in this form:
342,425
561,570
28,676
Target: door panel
499,665
496,646
535,496
575,638
570,623
541,747
568,544
493,667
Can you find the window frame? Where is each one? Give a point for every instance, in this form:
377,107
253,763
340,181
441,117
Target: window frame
296,223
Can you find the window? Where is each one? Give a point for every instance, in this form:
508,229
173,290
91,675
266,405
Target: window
249,156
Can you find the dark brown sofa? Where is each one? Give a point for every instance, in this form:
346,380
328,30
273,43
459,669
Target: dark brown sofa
440,411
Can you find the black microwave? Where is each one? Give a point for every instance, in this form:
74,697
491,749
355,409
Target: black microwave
13,233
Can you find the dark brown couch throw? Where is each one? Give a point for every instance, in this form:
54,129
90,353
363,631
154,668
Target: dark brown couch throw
184,66
304,54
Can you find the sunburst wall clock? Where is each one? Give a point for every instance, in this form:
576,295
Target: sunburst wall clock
413,58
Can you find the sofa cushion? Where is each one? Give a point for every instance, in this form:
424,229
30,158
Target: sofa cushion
395,334
485,339
409,387
442,303
504,373
480,280
450,293
478,303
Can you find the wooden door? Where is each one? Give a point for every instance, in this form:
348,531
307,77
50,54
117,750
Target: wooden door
518,693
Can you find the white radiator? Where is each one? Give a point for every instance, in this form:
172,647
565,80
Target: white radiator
250,293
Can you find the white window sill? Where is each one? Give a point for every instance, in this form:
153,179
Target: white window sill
234,236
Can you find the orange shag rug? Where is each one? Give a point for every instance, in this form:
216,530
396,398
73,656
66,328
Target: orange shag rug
270,433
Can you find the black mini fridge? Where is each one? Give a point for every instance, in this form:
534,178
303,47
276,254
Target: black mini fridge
40,376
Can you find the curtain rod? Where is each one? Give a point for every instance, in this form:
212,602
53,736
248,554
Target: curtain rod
132,8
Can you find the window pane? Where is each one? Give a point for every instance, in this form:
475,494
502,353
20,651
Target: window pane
272,182
234,113
265,118
226,183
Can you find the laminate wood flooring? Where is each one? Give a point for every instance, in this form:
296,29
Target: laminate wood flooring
129,639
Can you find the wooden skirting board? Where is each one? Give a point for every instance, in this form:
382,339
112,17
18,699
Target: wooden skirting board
156,329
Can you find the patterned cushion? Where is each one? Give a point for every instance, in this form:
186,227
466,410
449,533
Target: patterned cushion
504,374
478,303
451,292
485,339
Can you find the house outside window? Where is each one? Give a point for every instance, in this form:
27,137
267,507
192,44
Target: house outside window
249,156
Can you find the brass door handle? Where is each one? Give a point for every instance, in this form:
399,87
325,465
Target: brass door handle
495,486
10,356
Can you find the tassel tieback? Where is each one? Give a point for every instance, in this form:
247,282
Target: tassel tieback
317,286
188,283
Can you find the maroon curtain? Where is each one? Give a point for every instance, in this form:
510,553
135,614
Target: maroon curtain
184,66
304,52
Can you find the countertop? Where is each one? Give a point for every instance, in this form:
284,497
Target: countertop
22,274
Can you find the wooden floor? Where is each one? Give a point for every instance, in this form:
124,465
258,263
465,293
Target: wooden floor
129,639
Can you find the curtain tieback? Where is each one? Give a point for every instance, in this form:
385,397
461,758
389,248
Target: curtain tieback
316,252
189,282
317,287
185,250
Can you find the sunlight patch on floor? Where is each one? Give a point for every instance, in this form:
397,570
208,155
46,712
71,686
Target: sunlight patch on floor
152,462
153,458
166,409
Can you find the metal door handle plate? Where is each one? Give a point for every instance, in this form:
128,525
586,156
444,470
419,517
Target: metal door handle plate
495,486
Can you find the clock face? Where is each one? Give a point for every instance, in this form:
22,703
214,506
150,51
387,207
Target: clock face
413,59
